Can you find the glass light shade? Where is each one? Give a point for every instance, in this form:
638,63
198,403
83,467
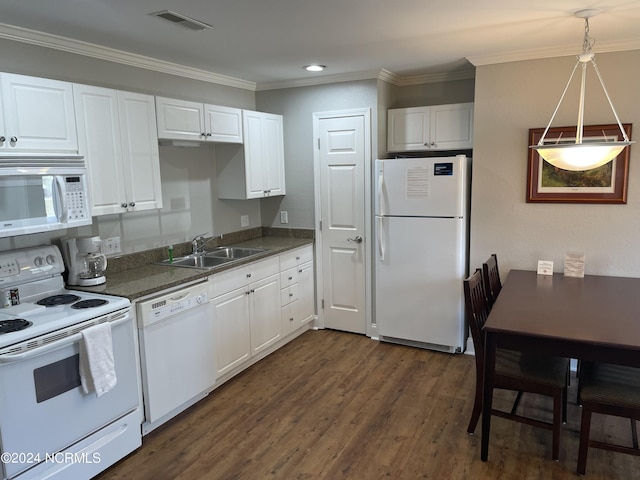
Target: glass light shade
580,156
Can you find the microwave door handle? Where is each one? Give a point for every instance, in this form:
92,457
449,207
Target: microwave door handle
59,198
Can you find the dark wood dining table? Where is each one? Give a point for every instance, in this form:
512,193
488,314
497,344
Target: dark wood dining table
593,318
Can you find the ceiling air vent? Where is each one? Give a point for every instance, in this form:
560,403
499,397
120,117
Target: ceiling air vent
183,20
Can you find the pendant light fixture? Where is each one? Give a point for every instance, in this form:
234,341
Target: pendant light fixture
577,155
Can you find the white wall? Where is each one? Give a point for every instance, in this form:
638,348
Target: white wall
509,100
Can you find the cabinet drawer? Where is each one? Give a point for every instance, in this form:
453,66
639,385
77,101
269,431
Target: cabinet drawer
288,277
228,280
289,294
296,257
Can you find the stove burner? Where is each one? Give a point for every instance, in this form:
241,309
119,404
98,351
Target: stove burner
90,303
13,325
55,300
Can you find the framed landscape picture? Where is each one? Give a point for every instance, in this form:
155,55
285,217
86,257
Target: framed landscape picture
605,184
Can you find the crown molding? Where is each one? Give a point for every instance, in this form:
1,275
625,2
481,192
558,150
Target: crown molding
32,37
537,54
56,42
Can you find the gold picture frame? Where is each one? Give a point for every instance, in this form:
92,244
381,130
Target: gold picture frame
605,184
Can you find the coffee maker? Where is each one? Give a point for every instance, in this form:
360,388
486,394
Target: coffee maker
85,263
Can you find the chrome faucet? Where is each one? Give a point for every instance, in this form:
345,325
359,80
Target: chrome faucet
198,243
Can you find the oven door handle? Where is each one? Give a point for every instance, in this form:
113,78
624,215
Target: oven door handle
63,342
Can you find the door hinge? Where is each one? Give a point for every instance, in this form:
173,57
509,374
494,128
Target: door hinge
318,143
322,304
320,225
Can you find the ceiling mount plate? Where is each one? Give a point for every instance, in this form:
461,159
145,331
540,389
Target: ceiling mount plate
587,13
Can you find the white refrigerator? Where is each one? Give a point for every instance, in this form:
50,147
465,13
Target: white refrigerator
421,207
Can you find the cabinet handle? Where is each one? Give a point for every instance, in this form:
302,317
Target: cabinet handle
203,134
290,278
248,275
132,204
123,205
247,293
253,291
291,294
14,140
2,139
208,134
291,319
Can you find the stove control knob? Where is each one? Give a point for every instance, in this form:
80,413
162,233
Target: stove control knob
51,259
200,299
38,261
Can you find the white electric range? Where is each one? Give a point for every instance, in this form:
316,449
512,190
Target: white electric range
50,428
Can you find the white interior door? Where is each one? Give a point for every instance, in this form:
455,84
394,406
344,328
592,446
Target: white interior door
343,150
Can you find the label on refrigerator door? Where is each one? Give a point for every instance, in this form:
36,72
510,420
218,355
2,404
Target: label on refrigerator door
443,169
418,183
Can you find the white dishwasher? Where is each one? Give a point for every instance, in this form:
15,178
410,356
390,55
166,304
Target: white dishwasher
176,352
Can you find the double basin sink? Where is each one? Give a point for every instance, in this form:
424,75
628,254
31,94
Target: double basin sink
213,258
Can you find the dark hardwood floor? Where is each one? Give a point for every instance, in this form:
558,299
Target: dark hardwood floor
334,405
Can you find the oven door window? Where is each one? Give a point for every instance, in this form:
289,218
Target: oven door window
57,378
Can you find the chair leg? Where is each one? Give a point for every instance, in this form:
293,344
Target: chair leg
516,402
565,395
634,433
558,401
477,409
585,427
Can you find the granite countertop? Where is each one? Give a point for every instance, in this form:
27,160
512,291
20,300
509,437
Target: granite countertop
144,279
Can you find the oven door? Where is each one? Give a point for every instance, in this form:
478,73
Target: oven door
43,408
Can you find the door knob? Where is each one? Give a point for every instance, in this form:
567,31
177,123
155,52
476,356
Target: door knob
358,239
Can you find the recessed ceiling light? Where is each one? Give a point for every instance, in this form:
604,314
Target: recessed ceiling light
314,68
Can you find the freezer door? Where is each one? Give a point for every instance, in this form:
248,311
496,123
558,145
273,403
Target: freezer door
422,187
420,266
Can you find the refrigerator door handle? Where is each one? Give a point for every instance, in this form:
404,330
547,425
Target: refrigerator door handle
381,238
380,193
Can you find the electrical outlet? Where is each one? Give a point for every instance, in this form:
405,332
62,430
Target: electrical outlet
244,220
284,217
111,245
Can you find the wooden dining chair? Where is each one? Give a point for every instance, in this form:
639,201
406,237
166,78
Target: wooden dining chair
491,278
610,390
514,370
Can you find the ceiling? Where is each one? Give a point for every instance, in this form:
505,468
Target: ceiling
265,43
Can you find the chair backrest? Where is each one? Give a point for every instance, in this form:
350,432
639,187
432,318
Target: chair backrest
491,278
476,310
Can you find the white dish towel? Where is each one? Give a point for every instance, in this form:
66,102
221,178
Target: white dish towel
97,368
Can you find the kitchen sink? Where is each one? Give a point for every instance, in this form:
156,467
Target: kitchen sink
233,252
218,256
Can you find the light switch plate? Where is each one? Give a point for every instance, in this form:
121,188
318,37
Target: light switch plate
284,217
244,220
111,246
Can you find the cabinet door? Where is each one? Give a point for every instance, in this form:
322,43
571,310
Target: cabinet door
100,142
180,120
451,126
273,155
223,124
140,158
408,129
39,114
232,329
253,154
306,294
266,325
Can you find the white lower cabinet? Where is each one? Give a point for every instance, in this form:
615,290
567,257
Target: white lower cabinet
297,288
256,306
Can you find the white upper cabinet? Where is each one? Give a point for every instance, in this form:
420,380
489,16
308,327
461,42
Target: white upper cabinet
257,169
439,127
117,136
36,116
193,121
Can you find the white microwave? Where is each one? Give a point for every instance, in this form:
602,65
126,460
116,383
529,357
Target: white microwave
42,195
